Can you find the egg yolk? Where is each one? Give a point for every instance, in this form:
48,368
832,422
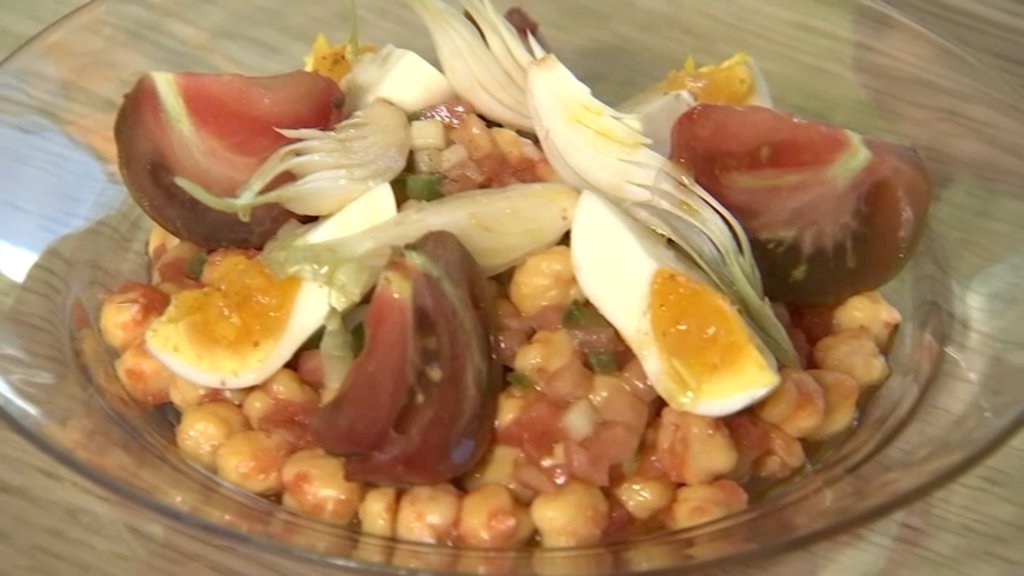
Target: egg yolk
731,82
702,336
242,307
333,61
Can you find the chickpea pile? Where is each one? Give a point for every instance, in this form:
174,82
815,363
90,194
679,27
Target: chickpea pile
681,470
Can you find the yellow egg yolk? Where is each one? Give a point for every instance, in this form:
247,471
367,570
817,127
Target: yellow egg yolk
333,61
241,309
703,338
731,82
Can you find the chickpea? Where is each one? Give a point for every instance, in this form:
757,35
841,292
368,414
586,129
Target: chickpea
315,485
510,404
185,394
840,392
160,240
784,455
855,353
490,517
694,449
283,403
544,279
496,467
614,401
644,497
546,352
869,311
127,313
170,267
702,503
144,378
427,514
252,460
797,405
574,514
378,510
203,429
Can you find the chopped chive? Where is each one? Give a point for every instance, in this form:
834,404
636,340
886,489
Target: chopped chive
194,268
424,187
577,315
518,379
602,362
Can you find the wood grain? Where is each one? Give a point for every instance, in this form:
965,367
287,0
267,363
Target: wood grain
54,523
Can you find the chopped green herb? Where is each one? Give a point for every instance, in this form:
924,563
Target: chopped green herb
518,379
577,315
358,334
194,268
424,187
602,362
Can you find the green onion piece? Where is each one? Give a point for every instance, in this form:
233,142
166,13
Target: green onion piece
194,268
518,379
577,315
602,362
424,187
358,333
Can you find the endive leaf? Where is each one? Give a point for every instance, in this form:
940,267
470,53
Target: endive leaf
499,227
331,167
594,147
489,74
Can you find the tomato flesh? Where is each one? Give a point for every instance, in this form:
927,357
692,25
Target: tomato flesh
215,130
829,213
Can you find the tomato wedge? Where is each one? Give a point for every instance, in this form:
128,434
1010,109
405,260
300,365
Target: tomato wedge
215,130
830,213
419,403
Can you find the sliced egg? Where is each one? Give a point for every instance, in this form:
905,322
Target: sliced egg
692,342
737,80
331,60
401,77
245,324
655,110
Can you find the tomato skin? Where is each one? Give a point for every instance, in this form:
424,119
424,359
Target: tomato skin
829,213
419,403
223,131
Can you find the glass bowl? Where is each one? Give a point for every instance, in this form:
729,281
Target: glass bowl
68,234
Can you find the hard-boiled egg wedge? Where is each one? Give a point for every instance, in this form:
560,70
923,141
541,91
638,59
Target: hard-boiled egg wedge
737,80
693,344
333,60
401,77
656,109
245,323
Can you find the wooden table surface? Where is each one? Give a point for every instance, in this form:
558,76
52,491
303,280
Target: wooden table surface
54,523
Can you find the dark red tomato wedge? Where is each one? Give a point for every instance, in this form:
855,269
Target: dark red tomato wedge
215,130
830,213
418,405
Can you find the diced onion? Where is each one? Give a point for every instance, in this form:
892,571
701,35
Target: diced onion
579,420
426,161
427,135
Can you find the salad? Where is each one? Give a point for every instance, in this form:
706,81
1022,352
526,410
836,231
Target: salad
476,306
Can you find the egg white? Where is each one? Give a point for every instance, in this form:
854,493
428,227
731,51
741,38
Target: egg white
170,344
615,259
396,75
